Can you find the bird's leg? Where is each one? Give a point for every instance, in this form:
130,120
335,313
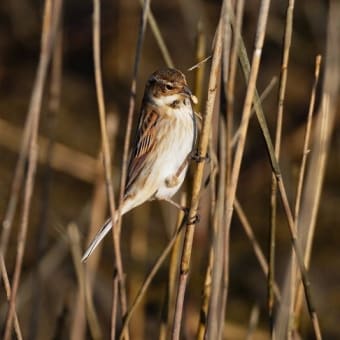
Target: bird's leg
193,220
178,206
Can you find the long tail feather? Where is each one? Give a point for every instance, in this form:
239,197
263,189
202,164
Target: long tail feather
97,239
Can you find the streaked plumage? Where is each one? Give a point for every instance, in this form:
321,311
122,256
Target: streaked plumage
165,137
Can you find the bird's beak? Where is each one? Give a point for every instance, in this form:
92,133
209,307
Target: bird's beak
187,91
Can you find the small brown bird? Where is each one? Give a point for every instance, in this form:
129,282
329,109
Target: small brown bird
165,138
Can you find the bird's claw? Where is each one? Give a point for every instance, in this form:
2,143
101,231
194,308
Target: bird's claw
193,220
199,158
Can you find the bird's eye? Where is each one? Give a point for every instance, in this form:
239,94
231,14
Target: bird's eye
169,87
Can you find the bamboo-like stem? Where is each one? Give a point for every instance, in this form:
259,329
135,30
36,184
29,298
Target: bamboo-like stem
50,24
149,278
197,182
107,154
273,199
298,296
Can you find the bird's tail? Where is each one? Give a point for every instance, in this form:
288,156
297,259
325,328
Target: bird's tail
98,238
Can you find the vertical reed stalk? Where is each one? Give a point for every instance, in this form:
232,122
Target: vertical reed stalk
197,182
50,24
259,40
273,199
132,103
298,296
107,154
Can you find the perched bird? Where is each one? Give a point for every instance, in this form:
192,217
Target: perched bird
165,138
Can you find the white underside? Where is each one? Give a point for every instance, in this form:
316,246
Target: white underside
175,153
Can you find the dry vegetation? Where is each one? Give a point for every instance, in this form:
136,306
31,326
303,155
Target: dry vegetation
261,262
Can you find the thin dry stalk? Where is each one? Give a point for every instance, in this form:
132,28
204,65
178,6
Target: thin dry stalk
218,330
203,321
214,264
273,199
16,187
262,97
149,278
260,34
115,290
132,104
256,246
197,183
51,124
199,77
298,297
168,307
253,322
306,146
74,240
282,190
50,24
216,254
48,265
7,285
200,71
139,250
230,90
158,36
216,214
98,212
107,154
324,128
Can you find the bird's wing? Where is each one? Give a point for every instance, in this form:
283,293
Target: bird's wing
144,143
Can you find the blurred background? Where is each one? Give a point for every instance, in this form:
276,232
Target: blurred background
64,189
